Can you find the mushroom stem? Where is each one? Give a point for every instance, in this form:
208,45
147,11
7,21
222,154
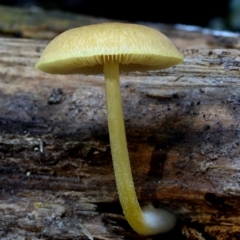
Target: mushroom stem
121,164
150,220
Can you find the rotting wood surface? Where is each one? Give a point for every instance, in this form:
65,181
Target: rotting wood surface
183,135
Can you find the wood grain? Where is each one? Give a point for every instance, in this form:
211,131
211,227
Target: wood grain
183,135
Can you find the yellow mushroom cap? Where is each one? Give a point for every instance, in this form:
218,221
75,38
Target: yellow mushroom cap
85,49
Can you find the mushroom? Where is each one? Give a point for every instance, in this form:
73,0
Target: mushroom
110,48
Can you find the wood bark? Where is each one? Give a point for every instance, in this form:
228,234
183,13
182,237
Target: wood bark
182,127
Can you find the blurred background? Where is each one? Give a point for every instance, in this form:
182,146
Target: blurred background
215,14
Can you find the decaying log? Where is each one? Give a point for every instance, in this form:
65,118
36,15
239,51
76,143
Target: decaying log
183,135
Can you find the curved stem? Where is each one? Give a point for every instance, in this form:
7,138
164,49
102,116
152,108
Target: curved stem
121,164
146,221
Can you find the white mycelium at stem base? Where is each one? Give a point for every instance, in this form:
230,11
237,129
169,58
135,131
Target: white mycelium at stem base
150,220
